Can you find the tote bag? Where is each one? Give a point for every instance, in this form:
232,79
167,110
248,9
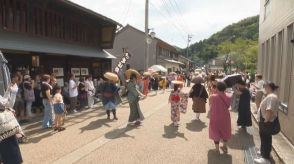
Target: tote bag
9,126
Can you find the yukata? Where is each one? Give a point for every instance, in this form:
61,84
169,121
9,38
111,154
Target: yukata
184,103
175,100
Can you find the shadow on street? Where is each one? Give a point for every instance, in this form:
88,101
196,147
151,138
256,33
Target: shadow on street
215,158
96,124
121,133
171,132
196,126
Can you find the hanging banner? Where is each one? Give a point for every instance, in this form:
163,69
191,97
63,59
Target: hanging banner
122,62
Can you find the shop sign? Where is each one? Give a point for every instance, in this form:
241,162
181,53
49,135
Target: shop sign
122,62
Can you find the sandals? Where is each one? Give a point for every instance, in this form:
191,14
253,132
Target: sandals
224,149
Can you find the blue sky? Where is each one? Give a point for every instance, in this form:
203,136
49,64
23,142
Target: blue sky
173,20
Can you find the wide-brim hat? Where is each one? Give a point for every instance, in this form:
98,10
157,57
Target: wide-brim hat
129,72
177,82
111,76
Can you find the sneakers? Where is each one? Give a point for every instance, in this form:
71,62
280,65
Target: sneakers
258,153
75,111
262,161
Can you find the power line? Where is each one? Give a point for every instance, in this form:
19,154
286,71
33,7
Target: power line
176,7
168,10
172,23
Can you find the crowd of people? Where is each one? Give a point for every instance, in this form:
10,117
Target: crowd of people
44,93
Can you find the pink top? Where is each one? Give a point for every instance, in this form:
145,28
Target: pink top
220,119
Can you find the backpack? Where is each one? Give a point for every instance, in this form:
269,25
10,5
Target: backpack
29,95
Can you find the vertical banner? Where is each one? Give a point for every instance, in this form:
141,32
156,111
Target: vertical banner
122,62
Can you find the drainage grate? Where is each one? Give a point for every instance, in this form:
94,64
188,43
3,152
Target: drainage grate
250,150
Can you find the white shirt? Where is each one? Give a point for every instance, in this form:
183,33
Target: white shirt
57,98
260,85
90,87
270,102
73,89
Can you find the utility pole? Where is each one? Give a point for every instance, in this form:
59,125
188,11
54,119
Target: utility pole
188,44
187,52
147,34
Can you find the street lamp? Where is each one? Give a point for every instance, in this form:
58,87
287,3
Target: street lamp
149,37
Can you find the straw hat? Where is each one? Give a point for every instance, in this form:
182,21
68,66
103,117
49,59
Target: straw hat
177,82
111,76
129,72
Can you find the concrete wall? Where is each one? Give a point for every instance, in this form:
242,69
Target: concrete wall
134,40
275,60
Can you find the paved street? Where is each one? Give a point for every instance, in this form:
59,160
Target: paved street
90,138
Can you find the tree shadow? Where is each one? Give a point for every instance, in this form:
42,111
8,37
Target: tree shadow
241,140
196,126
171,132
95,125
215,158
121,132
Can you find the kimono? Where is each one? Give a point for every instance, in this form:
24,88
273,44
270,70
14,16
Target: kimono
244,110
220,119
109,91
175,100
133,98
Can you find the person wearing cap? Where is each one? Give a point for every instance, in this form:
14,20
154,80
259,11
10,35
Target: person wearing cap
175,101
199,96
268,112
29,95
46,91
244,109
220,119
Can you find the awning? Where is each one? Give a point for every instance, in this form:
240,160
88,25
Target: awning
21,42
174,61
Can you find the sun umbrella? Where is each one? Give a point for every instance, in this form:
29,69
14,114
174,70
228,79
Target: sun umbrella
197,80
172,73
129,72
111,76
177,82
146,73
231,80
158,68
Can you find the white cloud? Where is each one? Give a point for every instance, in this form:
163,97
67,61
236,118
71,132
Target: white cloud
201,18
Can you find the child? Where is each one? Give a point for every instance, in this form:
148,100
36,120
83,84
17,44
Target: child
175,100
58,109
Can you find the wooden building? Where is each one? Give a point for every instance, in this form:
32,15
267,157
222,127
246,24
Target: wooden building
46,36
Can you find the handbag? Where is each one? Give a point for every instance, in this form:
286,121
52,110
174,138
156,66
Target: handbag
272,128
9,125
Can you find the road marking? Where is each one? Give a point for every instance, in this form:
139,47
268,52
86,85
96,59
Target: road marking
83,151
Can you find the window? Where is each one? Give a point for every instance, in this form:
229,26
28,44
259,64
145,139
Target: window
272,58
289,56
279,57
266,60
261,62
267,8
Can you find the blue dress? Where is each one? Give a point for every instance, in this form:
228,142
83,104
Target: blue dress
109,91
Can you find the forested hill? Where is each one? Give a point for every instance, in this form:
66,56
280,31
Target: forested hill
228,41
